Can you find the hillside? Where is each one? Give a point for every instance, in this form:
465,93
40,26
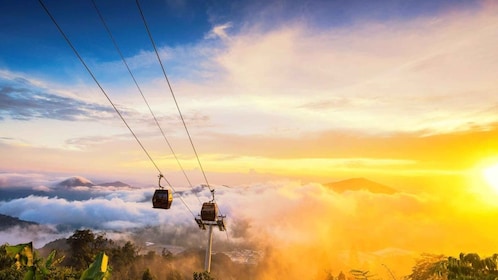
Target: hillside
8,222
356,184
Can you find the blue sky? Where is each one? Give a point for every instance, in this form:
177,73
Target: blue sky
264,86
30,40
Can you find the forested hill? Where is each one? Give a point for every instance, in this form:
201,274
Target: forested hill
8,222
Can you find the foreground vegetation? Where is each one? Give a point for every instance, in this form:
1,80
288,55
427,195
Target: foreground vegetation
93,256
124,261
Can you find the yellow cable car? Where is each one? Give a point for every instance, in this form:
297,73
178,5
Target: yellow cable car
162,198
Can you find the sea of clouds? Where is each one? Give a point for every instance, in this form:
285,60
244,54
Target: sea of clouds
282,219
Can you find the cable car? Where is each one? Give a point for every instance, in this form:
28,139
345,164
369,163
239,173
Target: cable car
162,198
209,211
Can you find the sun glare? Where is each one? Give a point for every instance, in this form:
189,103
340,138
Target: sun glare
491,176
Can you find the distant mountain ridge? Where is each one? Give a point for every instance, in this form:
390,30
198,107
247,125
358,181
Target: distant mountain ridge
118,184
356,184
78,181
9,221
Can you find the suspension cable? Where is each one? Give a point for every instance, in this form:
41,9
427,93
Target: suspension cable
142,94
173,94
174,99
108,98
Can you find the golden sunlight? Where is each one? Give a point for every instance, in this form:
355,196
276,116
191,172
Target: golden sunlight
491,176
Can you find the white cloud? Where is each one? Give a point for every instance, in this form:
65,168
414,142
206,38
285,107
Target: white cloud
39,235
422,74
219,31
26,180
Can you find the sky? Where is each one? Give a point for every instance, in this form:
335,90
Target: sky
278,98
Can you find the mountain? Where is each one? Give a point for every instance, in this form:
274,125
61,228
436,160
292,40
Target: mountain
8,222
117,184
75,181
60,245
78,181
356,184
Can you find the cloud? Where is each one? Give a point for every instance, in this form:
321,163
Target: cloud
219,31
395,73
23,180
38,234
285,219
22,100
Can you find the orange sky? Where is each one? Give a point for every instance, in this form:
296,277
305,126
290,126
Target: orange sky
411,103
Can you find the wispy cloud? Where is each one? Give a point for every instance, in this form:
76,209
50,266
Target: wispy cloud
219,31
22,100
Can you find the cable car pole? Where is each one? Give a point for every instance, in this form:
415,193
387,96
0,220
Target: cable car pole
207,259
208,218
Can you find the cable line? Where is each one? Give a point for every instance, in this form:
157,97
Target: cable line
108,98
178,107
173,94
141,93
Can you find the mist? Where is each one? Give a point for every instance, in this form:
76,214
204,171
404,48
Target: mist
292,228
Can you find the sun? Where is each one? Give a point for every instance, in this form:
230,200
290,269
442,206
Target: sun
491,176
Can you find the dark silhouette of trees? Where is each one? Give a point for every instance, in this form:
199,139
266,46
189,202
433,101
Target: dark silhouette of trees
471,266
81,244
465,267
147,275
123,260
429,267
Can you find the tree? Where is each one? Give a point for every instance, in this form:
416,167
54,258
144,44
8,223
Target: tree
123,257
147,275
81,244
466,267
471,266
429,267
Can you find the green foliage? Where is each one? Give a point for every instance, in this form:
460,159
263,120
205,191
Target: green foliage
8,269
124,259
27,266
98,270
23,254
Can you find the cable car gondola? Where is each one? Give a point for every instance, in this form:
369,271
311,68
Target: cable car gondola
162,197
209,211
